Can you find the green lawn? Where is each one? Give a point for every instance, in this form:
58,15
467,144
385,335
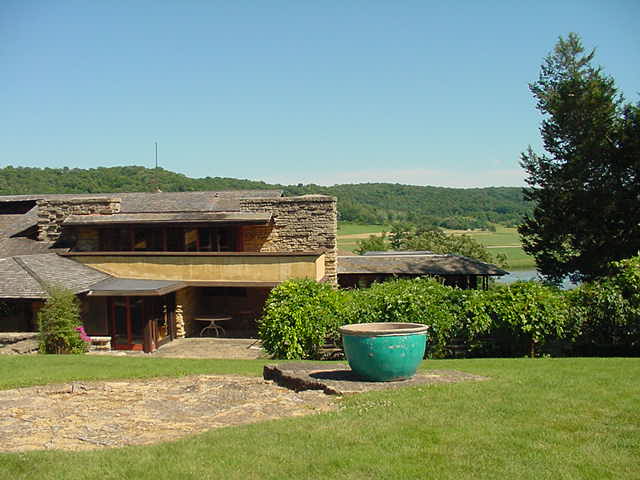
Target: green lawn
24,371
539,419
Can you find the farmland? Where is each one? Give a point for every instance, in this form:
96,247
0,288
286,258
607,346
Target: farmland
504,240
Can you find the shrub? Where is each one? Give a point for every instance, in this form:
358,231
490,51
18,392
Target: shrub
301,315
606,312
529,310
474,322
298,317
59,324
375,243
420,300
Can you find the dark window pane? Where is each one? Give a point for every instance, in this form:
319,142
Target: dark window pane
205,239
191,240
175,240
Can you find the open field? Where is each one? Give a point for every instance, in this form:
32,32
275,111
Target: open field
504,240
571,418
346,228
350,233
516,258
503,236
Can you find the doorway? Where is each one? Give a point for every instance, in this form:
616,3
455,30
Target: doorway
141,323
127,323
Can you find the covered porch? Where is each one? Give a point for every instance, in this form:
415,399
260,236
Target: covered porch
146,314
135,314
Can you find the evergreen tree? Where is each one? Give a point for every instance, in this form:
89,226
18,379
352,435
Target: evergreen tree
585,187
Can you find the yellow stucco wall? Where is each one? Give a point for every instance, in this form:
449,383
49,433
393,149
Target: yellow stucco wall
233,268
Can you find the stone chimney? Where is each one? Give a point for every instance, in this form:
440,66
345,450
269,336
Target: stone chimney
51,213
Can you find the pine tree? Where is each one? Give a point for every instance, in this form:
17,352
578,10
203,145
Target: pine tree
586,186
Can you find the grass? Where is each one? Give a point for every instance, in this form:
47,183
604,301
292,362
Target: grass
349,244
24,371
544,418
346,228
505,240
503,236
516,258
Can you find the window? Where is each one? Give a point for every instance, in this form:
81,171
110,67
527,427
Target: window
173,239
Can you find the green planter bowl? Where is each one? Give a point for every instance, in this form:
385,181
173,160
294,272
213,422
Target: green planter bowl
384,352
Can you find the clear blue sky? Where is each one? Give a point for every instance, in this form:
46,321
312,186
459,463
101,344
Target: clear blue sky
417,92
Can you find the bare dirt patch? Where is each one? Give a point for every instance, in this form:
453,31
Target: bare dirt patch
90,415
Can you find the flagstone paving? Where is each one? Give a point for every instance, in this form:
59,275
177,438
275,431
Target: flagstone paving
338,379
90,415
196,347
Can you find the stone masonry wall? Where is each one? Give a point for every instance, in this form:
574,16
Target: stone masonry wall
255,237
190,300
301,224
51,213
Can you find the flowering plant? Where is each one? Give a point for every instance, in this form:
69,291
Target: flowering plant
83,335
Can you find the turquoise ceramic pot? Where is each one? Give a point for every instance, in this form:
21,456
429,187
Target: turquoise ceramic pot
383,352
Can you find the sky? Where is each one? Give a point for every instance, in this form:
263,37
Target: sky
413,92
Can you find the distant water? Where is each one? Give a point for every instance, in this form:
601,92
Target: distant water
518,275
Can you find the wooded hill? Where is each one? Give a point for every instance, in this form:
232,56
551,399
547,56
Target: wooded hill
372,203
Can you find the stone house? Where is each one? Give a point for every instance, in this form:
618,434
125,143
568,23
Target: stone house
151,267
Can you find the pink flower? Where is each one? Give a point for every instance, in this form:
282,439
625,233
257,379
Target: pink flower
83,335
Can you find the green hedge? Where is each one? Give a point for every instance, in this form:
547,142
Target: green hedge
606,313
528,313
299,316
522,318
421,300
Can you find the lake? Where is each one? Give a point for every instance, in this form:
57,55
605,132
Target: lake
518,275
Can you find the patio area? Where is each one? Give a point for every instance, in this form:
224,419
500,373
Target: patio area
221,348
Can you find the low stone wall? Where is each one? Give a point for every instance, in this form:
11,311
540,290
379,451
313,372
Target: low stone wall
18,343
300,224
100,344
21,343
51,213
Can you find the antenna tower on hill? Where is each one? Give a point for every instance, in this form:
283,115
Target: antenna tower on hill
155,172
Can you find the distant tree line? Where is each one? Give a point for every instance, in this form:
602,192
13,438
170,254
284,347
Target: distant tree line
454,208
368,203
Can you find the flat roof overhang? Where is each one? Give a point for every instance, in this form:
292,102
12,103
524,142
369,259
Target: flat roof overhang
130,287
168,218
143,253
224,283
431,264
